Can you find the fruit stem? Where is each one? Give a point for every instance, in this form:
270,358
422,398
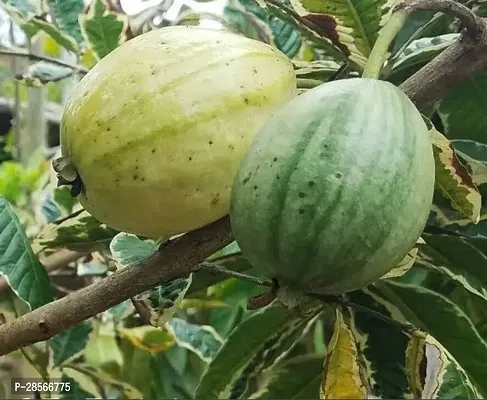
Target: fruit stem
217,269
386,36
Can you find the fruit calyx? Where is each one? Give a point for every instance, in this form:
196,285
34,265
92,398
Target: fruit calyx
67,175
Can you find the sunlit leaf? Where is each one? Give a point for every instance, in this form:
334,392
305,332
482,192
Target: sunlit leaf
18,264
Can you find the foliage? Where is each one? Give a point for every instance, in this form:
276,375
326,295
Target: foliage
419,332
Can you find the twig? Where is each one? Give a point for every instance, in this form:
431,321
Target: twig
174,260
143,312
408,328
36,57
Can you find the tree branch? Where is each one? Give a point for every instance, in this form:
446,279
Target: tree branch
174,260
180,257
36,57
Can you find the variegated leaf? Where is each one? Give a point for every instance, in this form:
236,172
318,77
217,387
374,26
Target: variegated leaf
438,316
160,302
343,370
459,259
384,359
453,179
475,156
295,378
433,373
351,25
103,29
320,37
257,340
272,352
53,31
79,231
202,340
416,55
66,13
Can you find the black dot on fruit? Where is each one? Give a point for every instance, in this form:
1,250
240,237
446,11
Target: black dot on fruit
275,158
153,150
210,142
338,175
301,211
311,183
301,194
255,187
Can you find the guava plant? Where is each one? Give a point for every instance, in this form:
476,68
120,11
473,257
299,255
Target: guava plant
319,168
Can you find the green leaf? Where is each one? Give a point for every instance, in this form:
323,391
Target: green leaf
41,73
68,344
296,378
66,14
417,54
343,375
239,349
73,390
18,264
79,231
53,31
433,373
460,112
200,339
102,29
458,259
354,24
453,179
447,323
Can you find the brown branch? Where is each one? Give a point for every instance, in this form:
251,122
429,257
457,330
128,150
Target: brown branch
181,256
174,260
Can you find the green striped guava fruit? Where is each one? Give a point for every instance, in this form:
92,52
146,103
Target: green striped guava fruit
336,188
152,136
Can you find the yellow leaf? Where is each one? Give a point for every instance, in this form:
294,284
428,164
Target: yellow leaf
343,373
149,338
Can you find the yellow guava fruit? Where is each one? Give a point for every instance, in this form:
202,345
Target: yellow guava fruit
156,130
